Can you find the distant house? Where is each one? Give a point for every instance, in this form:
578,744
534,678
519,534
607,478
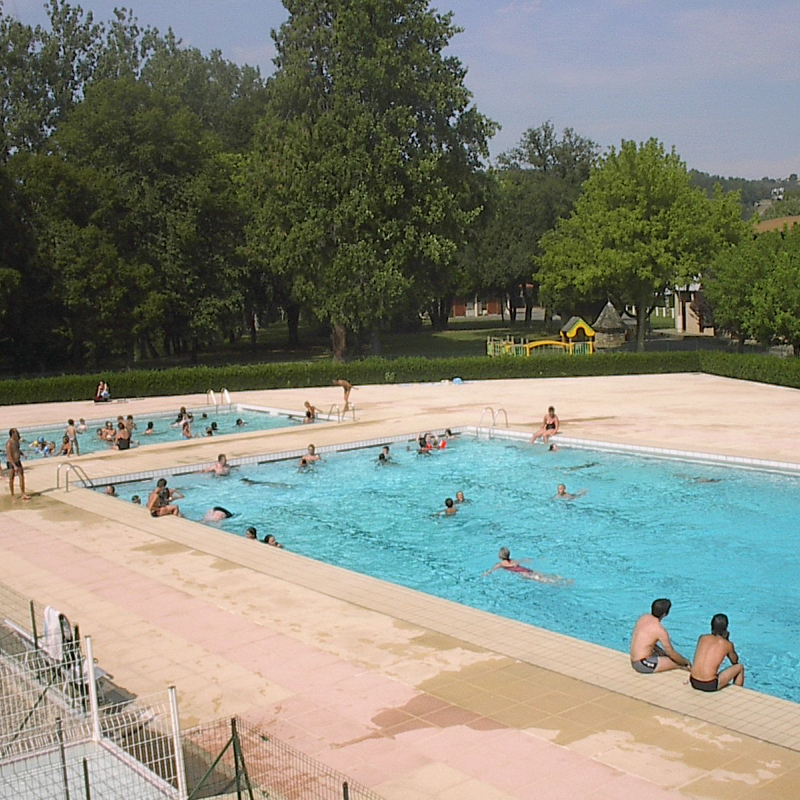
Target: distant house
475,306
690,305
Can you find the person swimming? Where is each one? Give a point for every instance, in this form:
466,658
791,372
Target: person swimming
217,514
510,565
563,494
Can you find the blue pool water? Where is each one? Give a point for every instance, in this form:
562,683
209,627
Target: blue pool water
163,427
713,539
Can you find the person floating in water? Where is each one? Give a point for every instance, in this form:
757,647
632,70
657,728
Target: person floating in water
460,498
272,541
240,423
563,494
651,648
449,507
217,514
510,565
384,457
550,426
712,649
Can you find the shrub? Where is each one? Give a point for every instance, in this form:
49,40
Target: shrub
192,380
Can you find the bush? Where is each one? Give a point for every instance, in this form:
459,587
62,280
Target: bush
193,380
760,368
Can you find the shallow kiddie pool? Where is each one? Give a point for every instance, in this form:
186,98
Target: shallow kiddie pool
711,538
222,421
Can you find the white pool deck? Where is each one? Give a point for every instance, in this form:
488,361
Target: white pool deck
414,696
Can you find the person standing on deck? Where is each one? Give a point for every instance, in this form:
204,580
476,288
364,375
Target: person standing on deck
14,463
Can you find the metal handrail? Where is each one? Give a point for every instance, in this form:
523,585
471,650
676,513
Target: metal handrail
491,411
211,398
72,468
495,419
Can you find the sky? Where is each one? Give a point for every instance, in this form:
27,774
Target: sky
717,79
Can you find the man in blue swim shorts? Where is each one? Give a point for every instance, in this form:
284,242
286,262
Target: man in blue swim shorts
651,648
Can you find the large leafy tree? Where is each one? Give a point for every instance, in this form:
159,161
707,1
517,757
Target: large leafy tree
361,172
537,183
754,288
639,228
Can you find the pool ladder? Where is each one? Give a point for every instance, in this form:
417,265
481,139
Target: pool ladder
68,468
224,398
341,415
495,419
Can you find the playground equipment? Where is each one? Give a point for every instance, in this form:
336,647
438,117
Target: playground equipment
577,339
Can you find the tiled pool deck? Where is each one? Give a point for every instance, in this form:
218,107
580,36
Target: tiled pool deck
414,696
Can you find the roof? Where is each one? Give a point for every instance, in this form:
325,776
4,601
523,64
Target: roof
777,224
573,323
609,320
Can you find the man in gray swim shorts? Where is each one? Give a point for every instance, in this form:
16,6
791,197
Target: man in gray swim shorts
651,648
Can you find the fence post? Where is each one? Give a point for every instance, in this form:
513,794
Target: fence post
345,791
177,744
91,678
63,754
33,627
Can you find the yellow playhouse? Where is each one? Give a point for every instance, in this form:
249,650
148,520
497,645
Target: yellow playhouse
577,339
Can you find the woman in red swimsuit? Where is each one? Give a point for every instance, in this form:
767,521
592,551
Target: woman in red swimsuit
507,563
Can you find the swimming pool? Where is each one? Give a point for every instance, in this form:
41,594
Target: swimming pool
712,538
255,419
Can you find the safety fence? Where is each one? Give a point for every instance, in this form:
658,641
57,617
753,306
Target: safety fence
234,759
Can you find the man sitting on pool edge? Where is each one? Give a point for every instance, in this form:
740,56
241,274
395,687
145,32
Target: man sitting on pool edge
647,655
712,649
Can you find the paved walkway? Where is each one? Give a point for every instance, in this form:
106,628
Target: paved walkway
414,696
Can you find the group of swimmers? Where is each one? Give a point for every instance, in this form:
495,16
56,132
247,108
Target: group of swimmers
652,651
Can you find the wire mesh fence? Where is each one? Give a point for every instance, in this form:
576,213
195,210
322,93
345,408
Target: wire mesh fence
230,757
56,740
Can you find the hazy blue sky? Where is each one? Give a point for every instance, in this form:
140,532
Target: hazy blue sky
718,79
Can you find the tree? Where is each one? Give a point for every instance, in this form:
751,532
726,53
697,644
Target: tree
638,229
788,207
537,183
361,169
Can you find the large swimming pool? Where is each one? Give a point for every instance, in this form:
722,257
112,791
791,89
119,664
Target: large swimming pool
713,539
220,420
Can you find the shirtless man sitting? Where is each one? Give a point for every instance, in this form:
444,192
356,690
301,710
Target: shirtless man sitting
712,649
647,655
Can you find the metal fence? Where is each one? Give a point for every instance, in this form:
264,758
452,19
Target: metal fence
232,758
56,740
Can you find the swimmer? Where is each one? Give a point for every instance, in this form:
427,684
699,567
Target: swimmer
510,565
712,649
136,500
214,427
583,466
272,541
311,456
150,430
72,435
563,494
425,444
81,426
66,446
160,502
111,490
221,467
182,415
209,432
651,649
240,423
217,514
460,498
550,426
311,412
251,533
384,457
446,437
449,507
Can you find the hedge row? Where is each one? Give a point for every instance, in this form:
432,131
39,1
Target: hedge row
191,380
760,368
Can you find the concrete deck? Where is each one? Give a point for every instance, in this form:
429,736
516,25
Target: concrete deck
414,696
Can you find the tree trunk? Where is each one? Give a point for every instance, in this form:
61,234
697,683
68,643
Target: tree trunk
641,325
440,313
253,331
375,348
512,308
338,341
293,324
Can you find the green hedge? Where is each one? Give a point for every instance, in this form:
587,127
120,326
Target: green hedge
191,380
760,368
